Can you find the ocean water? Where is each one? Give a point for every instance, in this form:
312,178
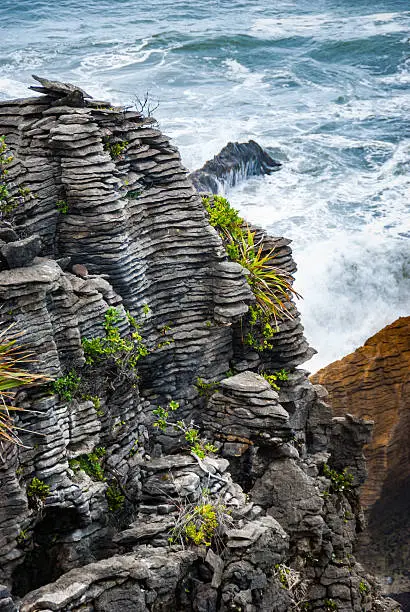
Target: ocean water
324,85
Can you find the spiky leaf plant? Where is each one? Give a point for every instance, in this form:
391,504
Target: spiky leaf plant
12,376
270,284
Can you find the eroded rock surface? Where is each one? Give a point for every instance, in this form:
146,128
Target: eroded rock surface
113,222
374,383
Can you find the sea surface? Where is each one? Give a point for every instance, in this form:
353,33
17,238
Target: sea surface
324,85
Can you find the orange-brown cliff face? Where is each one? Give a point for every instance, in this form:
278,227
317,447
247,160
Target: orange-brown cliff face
374,383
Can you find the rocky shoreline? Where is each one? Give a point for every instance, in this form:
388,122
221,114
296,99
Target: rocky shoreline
112,244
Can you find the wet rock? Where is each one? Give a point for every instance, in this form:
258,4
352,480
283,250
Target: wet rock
236,161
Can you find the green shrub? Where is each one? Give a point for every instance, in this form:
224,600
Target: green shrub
224,218
62,207
115,498
364,588
206,389
67,386
116,149
340,481
272,379
90,463
201,523
270,284
124,351
38,489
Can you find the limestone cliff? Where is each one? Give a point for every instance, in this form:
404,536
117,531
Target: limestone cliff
374,383
111,234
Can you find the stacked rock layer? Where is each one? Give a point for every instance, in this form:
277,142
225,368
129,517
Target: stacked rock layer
113,225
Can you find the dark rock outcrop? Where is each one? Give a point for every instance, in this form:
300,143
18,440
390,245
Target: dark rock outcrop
235,162
122,227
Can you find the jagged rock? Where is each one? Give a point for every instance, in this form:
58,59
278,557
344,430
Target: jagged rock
373,382
136,580
234,162
136,224
21,252
57,88
244,410
7,234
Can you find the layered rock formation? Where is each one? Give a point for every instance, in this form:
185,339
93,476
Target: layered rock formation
113,231
374,383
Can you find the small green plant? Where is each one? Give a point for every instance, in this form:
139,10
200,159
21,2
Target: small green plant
96,402
197,445
364,588
292,581
37,489
67,386
261,331
12,376
146,309
116,149
62,207
330,605
134,194
23,537
206,389
272,379
201,523
340,481
134,448
115,498
123,351
91,464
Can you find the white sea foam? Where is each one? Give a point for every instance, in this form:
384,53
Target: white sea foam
324,26
10,89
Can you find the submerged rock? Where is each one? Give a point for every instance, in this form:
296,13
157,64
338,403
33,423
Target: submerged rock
235,162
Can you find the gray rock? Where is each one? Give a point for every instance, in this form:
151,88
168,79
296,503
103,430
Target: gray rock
21,252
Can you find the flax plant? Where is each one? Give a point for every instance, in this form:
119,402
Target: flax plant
271,285
13,357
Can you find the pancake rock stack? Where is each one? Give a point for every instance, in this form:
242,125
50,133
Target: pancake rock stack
113,244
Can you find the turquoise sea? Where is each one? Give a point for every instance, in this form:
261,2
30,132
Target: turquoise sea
324,85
